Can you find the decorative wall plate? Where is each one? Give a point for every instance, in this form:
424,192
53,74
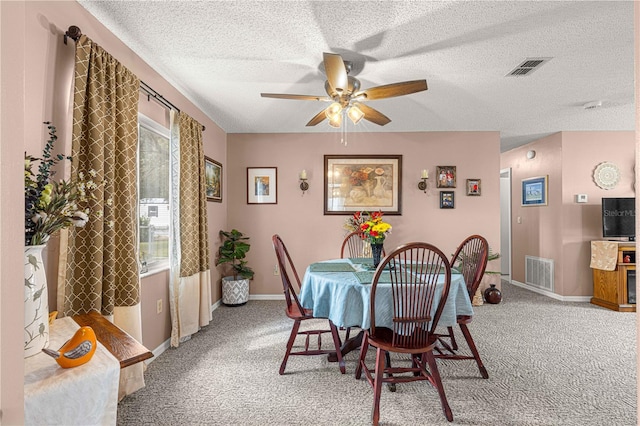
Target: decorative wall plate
606,175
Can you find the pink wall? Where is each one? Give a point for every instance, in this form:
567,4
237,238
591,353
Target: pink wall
312,236
582,152
12,75
156,328
563,229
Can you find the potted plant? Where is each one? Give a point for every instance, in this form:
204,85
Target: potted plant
234,248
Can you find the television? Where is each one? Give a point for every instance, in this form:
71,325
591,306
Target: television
619,218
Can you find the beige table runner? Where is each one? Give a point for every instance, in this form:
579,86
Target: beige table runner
604,255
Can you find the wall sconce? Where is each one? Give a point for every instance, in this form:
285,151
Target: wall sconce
304,186
422,185
531,154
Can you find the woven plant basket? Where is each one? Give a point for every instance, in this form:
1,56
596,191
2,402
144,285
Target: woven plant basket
477,298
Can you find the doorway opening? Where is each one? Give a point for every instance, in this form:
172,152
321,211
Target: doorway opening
505,224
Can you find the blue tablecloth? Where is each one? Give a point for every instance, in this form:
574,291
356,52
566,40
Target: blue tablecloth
342,296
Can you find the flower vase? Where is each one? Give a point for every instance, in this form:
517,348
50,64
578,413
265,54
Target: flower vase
36,302
493,295
376,250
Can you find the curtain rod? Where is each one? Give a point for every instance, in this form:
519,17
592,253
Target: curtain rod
74,33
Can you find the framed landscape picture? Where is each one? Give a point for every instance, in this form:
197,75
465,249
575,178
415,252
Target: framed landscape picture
534,191
213,179
362,183
473,186
446,176
447,200
262,185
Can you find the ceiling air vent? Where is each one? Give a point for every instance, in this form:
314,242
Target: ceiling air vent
527,66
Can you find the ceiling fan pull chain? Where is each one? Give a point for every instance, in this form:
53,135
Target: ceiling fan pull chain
344,131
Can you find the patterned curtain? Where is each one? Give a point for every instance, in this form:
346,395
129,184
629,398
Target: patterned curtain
101,258
190,287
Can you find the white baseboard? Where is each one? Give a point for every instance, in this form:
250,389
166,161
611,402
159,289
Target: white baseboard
552,295
158,351
266,297
216,305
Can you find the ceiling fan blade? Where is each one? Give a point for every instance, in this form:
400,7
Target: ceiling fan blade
295,97
394,89
317,118
373,115
336,72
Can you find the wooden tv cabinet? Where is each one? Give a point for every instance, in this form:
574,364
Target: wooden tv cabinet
610,288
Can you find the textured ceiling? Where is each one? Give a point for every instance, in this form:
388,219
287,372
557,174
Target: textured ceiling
223,54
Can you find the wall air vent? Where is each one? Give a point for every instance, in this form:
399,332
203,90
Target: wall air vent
538,272
527,66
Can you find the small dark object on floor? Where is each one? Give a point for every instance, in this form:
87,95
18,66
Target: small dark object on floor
492,295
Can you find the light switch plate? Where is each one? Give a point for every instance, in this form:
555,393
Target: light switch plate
581,198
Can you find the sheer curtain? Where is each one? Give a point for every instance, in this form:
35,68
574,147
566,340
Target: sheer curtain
101,262
190,286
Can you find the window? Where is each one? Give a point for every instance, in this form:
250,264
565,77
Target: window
154,211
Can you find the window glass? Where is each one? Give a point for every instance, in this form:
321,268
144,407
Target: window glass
153,192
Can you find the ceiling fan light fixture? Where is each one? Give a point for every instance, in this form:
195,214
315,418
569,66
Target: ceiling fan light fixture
355,114
333,110
335,120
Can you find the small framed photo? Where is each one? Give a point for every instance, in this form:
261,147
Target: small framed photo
447,200
213,179
262,185
534,191
446,176
473,186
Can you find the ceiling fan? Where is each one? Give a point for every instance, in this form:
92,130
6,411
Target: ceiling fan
343,91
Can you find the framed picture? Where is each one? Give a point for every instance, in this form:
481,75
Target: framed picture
213,179
447,200
262,185
534,191
473,186
362,183
446,176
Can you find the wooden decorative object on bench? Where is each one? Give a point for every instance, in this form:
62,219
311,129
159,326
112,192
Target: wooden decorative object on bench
122,346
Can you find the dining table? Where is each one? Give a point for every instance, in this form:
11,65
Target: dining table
340,290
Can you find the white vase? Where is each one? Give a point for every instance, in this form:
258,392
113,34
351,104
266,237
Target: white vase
36,302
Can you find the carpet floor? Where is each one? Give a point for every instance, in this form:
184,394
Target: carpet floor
549,363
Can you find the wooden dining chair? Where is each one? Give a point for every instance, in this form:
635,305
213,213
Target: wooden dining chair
416,278
355,245
470,259
295,311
